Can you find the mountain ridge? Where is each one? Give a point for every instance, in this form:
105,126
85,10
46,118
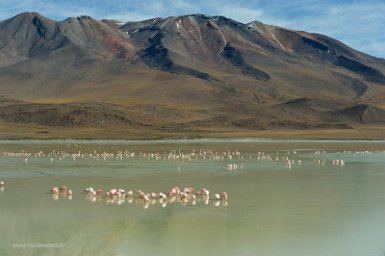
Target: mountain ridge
192,71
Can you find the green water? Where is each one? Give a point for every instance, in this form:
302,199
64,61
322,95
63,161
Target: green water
310,208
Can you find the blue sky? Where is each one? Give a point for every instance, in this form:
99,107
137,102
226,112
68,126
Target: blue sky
358,23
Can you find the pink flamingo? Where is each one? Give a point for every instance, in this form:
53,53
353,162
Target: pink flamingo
54,190
140,194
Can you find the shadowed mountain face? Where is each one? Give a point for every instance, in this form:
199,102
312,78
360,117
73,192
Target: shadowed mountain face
184,72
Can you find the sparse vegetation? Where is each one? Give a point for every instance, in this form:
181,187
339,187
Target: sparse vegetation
182,77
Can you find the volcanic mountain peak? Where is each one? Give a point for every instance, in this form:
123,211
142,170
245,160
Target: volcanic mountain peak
191,69
29,17
188,44
85,31
30,35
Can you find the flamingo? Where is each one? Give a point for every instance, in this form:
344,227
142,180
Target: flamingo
199,194
221,196
193,199
162,196
63,189
175,191
88,190
54,190
129,193
118,194
206,192
183,196
140,194
146,199
99,192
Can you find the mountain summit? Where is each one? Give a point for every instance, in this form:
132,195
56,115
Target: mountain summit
185,73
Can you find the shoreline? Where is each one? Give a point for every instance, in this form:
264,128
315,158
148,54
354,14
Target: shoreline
19,133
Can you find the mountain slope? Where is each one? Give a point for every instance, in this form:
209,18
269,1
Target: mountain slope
182,73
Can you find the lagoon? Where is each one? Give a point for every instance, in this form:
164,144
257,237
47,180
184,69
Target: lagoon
286,197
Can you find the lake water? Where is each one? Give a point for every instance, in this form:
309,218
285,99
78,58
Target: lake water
284,198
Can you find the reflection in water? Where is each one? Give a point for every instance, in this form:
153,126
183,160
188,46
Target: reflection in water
220,203
61,196
184,197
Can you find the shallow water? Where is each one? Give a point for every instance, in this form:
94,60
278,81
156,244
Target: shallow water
313,207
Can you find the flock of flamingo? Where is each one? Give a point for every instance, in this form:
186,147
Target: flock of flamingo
119,196
234,160
287,157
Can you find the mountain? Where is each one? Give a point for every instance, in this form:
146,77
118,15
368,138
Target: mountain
191,74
